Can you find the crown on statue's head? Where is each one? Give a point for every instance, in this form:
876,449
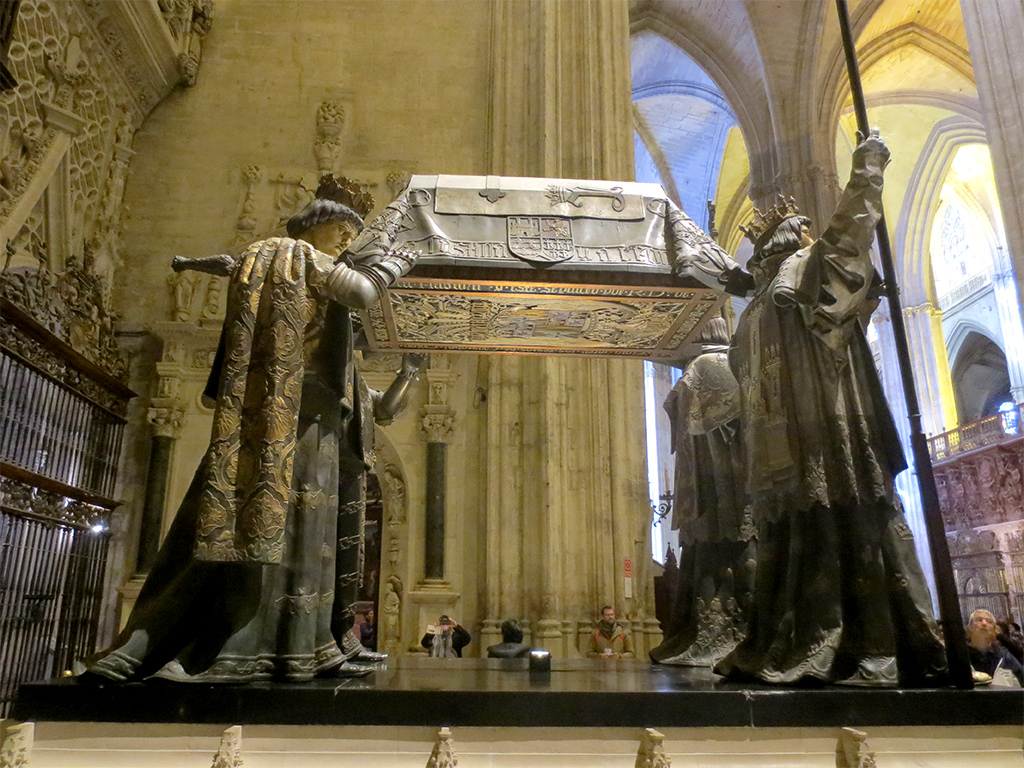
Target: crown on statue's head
769,219
345,191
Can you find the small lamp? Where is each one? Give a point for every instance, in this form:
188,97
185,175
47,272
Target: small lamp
540,661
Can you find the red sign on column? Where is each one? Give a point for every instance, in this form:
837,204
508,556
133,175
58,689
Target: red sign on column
629,567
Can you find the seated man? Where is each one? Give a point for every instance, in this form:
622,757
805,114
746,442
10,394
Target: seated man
1011,638
511,645
446,640
986,653
610,640
368,630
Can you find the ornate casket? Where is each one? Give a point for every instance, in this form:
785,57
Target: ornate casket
538,266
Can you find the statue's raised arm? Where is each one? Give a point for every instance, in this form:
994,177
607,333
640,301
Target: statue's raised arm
832,280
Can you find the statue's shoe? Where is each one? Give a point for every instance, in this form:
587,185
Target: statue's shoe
348,669
874,672
370,657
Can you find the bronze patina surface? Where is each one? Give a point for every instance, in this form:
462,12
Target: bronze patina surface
541,266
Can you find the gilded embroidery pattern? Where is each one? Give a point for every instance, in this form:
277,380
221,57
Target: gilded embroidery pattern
243,508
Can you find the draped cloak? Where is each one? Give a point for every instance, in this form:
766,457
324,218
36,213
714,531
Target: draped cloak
839,593
244,586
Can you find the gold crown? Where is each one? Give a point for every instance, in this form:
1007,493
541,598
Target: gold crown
345,191
766,220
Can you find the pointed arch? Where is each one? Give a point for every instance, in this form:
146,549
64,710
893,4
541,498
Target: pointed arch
741,85
917,213
836,89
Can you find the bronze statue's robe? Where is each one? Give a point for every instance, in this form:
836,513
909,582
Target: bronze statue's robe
840,595
244,586
715,533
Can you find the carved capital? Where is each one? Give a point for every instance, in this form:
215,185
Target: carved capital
437,423
927,308
166,418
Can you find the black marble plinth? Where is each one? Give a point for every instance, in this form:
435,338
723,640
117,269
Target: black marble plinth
493,692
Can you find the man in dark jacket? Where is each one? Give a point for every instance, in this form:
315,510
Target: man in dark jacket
987,655
511,645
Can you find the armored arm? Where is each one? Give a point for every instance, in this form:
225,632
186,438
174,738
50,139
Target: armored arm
365,283
392,402
696,255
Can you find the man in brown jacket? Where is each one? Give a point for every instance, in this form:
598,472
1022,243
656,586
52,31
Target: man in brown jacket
610,640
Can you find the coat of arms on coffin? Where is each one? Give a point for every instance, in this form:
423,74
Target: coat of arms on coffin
542,266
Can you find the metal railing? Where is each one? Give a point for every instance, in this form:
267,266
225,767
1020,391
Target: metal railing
61,422
992,430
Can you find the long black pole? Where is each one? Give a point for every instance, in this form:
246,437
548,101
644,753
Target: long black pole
950,619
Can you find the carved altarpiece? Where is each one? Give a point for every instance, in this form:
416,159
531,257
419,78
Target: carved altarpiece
981,494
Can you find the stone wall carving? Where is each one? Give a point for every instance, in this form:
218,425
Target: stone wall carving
390,636
852,750
651,753
229,753
443,754
89,68
393,487
88,73
189,22
982,488
981,495
71,305
437,417
246,224
22,498
16,748
330,118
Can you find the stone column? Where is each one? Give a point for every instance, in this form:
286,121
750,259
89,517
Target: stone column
434,593
438,422
994,32
564,458
906,482
931,367
165,415
1008,305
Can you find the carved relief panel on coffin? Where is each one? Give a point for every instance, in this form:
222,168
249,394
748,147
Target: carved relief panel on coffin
541,266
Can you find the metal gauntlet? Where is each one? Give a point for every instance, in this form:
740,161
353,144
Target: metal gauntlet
385,272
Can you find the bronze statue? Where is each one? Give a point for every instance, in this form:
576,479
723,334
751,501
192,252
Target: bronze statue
839,593
246,585
716,547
